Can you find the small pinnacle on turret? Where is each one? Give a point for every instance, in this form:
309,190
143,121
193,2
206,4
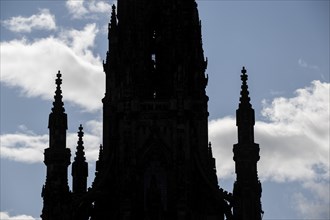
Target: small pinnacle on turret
80,154
244,99
245,114
79,166
99,161
113,21
210,149
58,103
100,152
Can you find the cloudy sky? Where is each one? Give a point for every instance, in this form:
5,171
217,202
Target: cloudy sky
284,45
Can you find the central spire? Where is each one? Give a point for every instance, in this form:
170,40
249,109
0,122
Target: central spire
160,44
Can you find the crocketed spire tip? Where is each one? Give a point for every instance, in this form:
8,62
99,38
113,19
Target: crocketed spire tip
244,99
58,103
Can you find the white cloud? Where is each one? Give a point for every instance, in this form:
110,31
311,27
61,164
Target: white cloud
296,136
76,8
27,147
304,64
87,9
94,127
44,20
32,66
23,147
6,216
314,206
99,6
82,41
294,145
222,134
299,127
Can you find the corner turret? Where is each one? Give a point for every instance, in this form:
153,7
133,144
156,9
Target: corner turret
58,122
247,188
56,192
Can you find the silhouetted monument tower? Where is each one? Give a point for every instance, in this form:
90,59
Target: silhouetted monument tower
247,188
155,162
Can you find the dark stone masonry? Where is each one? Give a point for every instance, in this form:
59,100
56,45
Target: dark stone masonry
155,162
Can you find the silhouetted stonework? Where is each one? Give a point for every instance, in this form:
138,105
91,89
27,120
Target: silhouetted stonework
247,188
155,162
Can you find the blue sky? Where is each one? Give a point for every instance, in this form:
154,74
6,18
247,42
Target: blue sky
284,45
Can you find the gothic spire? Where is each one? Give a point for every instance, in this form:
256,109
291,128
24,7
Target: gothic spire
113,21
247,188
100,153
58,103
56,193
112,25
245,113
80,154
57,123
79,166
245,99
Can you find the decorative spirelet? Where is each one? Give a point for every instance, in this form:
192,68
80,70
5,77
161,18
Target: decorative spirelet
58,105
244,99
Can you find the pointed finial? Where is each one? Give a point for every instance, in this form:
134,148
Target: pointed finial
80,132
58,103
100,159
244,77
210,149
245,99
80,154
113,21
243,70
100,152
